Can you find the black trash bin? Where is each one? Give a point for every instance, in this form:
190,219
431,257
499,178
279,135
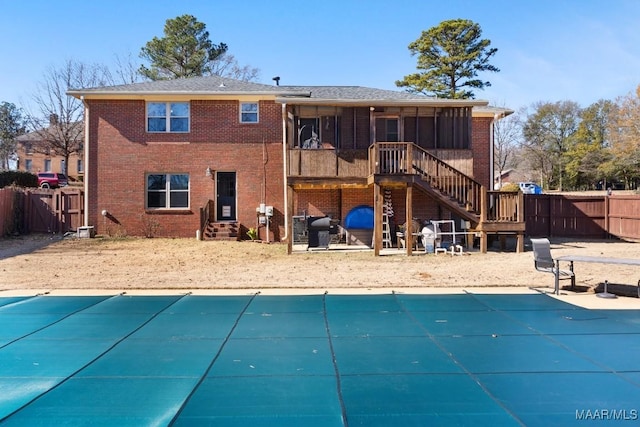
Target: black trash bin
319,231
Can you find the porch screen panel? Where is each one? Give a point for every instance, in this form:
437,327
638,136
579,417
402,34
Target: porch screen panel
424,129
454,128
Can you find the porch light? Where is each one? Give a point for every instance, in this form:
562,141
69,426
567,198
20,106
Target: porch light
208,172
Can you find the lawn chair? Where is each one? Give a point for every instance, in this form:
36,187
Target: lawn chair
544,262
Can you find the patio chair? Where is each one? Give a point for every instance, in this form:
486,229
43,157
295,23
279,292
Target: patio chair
545,263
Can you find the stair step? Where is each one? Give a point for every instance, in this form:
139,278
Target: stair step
221,231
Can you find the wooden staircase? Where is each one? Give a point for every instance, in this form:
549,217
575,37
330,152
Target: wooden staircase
489,212
458,192
221,231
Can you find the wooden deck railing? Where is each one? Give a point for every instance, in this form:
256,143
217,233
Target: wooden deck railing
503,206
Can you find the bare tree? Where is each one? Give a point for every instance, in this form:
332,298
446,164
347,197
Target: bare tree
126,70
58,121
625,138
506,138
227,66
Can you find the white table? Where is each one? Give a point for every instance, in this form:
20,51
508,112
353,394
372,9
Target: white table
592,259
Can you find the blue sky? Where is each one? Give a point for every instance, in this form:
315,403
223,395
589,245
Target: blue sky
580,50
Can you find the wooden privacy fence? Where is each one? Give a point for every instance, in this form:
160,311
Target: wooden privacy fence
593,217
623,216
7,217
41,211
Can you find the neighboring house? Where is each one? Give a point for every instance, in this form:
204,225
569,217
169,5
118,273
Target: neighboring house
35,155
502,179
180,154
510,176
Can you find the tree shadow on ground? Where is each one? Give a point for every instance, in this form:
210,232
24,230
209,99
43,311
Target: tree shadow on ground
25,244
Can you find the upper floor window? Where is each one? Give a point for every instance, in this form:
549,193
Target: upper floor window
167,116
249,112
167,191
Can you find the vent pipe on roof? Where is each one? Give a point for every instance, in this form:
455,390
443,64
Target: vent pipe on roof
277,80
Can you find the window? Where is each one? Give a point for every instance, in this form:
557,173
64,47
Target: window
387,129
249,112
168,117
62,165
28,165
167,191
80,166
47,165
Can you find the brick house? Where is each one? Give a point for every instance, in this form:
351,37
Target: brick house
191,156
36,155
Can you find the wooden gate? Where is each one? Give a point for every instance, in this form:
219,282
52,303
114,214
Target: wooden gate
53,211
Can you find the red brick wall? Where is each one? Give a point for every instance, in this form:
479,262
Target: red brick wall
338,203
481,148
317,203
352,197
126,152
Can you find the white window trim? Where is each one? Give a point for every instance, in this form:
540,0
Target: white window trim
167,190
167,116
257,112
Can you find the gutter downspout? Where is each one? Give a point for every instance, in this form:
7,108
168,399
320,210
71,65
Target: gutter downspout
284,171
86,161
492,166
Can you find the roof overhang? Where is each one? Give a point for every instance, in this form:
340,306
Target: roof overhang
492,112
481,108
181,95
428,102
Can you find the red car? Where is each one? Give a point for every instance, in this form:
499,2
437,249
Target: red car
52,180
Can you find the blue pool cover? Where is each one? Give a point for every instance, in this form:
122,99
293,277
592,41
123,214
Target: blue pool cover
316,360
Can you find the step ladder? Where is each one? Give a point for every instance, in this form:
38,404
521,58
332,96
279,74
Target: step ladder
386,231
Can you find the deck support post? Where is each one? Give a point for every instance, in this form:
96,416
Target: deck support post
483,219
408,231
377,221
290,222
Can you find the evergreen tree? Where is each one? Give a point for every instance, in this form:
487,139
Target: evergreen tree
11,126
184,51
450,56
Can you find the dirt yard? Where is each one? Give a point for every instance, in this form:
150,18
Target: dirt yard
45,263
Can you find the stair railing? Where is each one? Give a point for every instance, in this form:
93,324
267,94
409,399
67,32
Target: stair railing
447,180
204,217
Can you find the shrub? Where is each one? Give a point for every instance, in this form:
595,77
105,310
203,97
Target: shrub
18,178
150,225
252,233
511,186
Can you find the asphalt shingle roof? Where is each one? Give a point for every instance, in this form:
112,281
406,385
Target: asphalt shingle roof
222,85
216,85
